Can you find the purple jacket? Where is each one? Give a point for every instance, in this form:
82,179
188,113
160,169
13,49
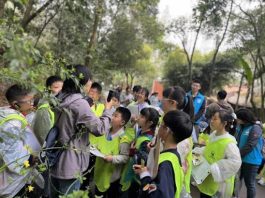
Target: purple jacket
76,111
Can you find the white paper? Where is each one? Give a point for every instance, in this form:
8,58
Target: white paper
96,152
200,171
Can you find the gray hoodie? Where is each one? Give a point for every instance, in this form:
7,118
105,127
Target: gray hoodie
75,112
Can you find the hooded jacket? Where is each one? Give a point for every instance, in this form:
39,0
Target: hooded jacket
74,114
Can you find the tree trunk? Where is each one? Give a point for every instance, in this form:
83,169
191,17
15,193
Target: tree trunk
239,90
2,8
262,98
92,40
217,49
252,91
27,18
193,50
127,79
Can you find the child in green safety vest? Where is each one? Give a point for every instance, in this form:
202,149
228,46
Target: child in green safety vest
147,122
176,127
223,156
44,116
17,141
175,98
115,145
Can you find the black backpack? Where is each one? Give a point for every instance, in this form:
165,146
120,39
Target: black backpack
52,147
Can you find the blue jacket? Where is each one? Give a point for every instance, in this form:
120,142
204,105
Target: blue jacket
250,143
199,106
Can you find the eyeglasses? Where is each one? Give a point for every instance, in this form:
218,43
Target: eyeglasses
30,102
167,99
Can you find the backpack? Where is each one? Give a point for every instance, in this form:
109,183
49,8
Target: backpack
52,147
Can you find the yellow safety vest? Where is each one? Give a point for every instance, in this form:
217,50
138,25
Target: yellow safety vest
187,176
203,138
213,152
14,116
178,172
104,170
48,107
98,112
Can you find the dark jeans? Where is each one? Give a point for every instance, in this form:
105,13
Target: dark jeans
204,196
62,186
112,192
248,173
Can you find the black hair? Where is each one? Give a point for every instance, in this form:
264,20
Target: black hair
152,115
16,92
136,88
52,79
184,101
97,86
246,115
125,114
146,94
196,80
179,123
226,116
80,75
116,95
221,94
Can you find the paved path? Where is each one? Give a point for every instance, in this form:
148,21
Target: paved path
243,194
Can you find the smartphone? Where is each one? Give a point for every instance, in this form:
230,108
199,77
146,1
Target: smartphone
110,95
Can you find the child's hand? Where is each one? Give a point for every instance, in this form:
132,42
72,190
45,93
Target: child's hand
138,169
108,158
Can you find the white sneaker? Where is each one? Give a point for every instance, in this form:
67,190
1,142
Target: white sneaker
261,182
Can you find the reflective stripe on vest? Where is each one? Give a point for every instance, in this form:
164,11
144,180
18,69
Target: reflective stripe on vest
213,152
178,172
187,176
104,170
48,107
18,117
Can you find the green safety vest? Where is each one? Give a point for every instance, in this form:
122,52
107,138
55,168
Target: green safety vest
98,112
213,152
187,176
104,170
48,107
14,116
127,173
178,172
203,138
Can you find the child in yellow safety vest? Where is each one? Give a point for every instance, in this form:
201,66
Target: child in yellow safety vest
223,156
97,107
176,127
115,145
147,122
17,142
175,98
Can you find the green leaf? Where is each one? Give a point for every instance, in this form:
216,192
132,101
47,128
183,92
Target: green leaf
247,69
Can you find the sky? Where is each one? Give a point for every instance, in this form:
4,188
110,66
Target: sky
170,9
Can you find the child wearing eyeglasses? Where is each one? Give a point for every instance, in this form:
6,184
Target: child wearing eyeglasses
17,141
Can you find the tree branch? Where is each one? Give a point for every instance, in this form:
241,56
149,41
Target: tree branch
28,19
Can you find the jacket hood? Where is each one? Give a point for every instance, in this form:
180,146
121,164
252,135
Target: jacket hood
67,99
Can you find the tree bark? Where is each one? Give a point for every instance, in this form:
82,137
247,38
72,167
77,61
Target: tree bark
2,7
92,40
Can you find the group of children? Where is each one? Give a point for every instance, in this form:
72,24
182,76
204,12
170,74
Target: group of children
132,162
